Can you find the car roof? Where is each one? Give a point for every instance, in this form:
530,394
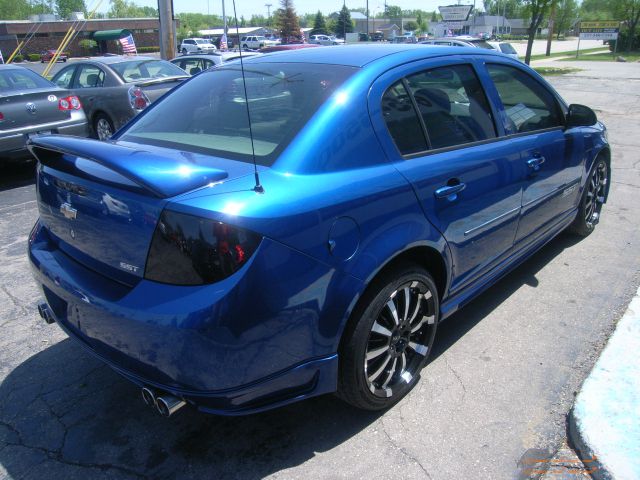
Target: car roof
11,66
361,55
117,59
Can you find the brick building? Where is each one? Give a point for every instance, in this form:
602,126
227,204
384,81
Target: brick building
50,34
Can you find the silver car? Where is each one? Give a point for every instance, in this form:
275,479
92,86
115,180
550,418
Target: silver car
31,105
193,64
462,41
115,89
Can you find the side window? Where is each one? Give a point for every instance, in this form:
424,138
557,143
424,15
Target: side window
64,78
453,106
529,106
90,77
193,66
402,120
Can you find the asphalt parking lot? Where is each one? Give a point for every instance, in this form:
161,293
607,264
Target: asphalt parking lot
500,383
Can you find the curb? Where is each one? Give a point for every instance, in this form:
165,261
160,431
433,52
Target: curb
604,423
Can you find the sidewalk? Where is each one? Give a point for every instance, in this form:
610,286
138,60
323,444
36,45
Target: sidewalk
604,424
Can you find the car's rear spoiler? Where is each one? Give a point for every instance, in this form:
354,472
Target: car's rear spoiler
150,173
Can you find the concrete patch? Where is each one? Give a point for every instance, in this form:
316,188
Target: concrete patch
604,423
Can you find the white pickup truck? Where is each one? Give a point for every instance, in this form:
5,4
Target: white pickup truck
254,42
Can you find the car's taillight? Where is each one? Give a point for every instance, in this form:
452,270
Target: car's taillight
138,99
69,103
189,250
1,116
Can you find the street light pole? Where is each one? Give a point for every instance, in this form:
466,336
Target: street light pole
268,5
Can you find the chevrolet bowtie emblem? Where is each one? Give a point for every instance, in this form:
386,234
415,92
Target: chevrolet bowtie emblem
68,211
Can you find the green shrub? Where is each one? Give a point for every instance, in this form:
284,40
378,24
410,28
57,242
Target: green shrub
34,57
18,58
623,38
148,49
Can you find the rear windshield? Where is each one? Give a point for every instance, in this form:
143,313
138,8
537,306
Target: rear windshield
19,79
507,48
208,114
482,44
136,70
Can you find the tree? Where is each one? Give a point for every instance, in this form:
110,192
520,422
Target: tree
596,10
434,16
128,9
287,21
410,26
64,8
319,24
629,12
566,15
17,9
344,24
537,10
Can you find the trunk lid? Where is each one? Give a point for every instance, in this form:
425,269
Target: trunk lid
32,108
157,87
100,201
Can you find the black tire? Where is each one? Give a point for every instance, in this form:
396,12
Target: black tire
184,51
244,47
592,200
102,124
382,352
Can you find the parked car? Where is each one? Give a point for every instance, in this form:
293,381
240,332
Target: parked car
115,89
324,40
462,41
193,64
197,45
506,48
216,42
31,105
254,42
47,55
269,262
288,46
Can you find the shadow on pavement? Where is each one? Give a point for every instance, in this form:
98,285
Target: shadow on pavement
62,412
17,174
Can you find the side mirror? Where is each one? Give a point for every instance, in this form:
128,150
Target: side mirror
580,116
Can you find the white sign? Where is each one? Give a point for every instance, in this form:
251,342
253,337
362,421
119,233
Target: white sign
454,25
455,13
607,30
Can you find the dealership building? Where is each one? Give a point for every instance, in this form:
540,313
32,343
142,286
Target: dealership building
47,33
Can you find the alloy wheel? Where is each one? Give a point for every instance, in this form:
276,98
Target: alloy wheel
400,338
103,129
596,190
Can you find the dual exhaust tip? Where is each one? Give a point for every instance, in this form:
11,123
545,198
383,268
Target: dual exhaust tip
166,405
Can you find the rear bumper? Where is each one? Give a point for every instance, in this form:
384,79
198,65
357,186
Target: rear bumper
235,347
13,144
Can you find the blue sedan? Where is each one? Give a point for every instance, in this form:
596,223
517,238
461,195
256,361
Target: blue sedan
301,225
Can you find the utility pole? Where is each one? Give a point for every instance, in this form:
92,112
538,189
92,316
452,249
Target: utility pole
367,18
552,20
224,19
167,29
268,5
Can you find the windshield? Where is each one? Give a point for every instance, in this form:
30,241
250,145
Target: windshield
136,70
482,44
208,114
21,79
202,41
507,48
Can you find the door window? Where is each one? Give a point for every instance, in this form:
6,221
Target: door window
453,106
528,105
402,120
63,79
90,77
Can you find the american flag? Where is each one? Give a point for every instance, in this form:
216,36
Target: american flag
128,45
1,59
302,37
223,42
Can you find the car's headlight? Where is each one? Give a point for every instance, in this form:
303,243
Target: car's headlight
189,250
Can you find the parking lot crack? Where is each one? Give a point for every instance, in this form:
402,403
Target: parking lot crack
403,450
455,374
15,301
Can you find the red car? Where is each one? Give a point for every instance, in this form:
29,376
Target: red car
47,55
290,46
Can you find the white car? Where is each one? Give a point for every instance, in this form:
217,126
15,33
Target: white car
254,42
324,40
505,48
197,45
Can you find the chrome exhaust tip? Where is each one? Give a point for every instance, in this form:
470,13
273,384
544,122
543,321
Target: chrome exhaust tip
45,312
148,396
167,405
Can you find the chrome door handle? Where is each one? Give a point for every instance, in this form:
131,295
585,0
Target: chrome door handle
450,191
535,162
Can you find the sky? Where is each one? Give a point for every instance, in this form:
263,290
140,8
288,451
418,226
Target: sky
247,8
